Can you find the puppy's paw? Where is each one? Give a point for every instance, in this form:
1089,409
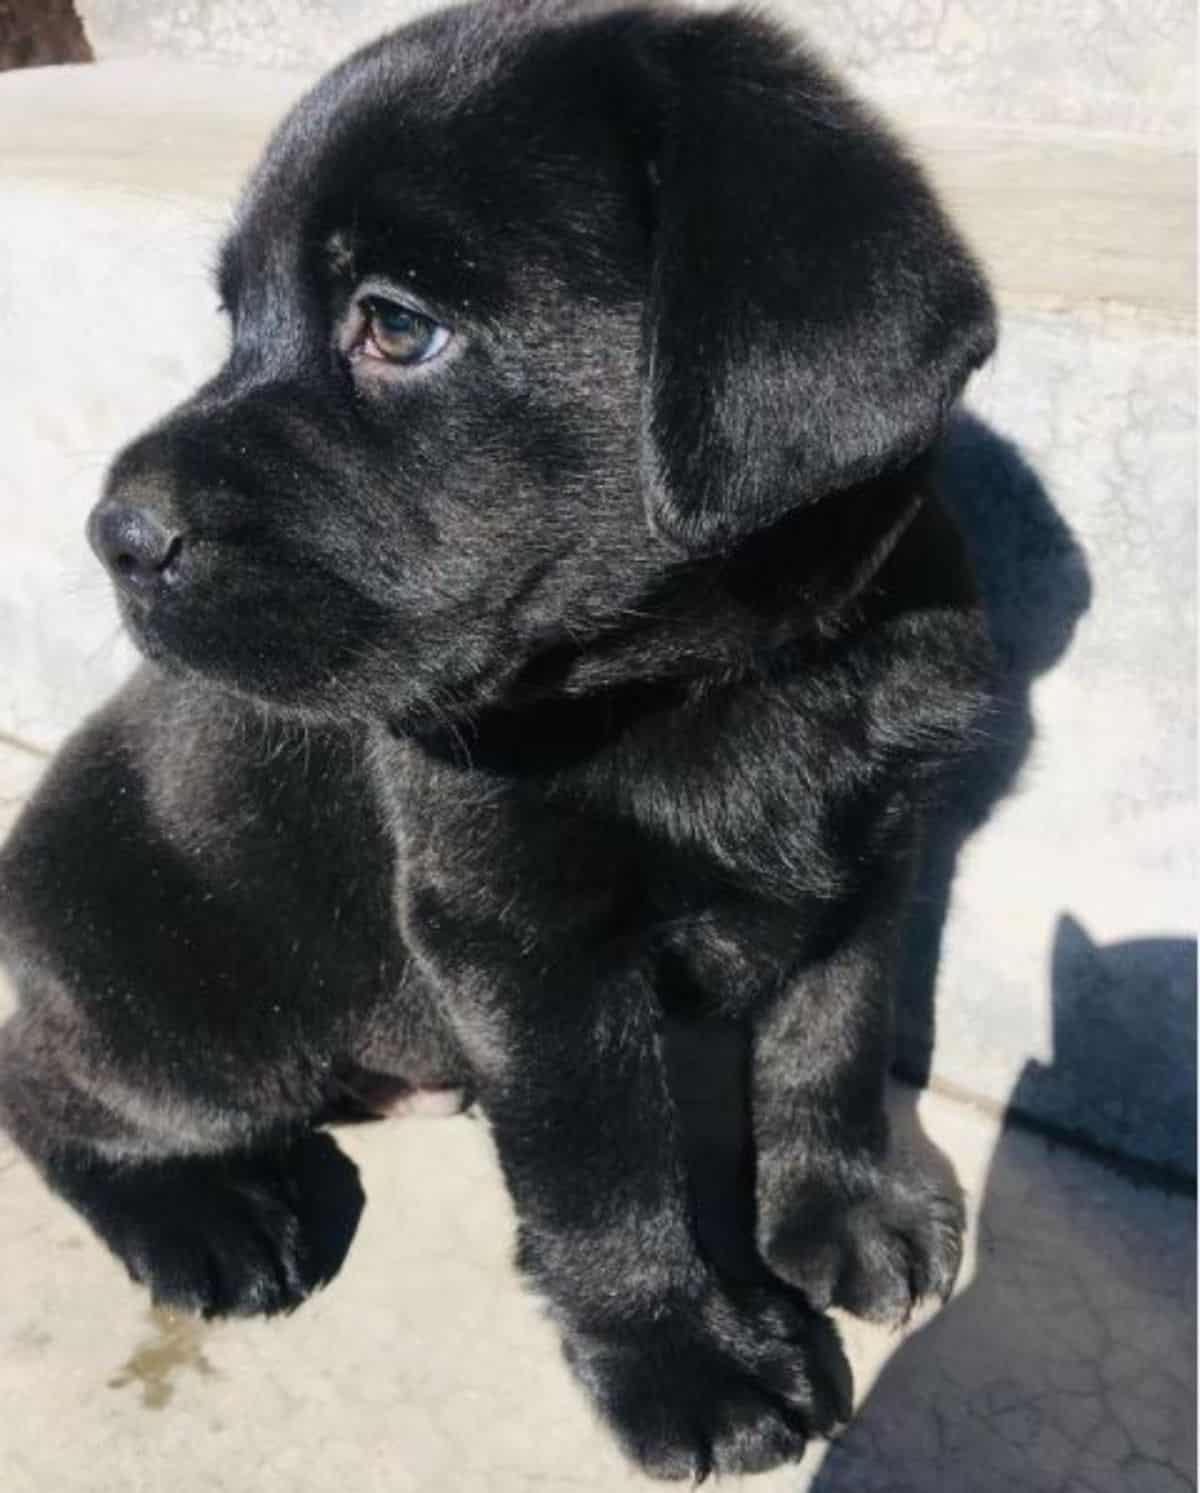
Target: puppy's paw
732,1386
894,1240
227,1236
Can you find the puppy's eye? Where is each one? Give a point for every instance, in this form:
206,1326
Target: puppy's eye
398,334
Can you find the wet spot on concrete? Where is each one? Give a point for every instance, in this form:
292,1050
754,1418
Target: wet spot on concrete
174,1346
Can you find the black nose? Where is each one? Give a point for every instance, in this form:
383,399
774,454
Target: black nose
138,547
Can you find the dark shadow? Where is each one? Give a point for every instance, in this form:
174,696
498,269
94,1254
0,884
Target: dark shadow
1035,586
1123,1082
708,1070
1068,1364
328,1198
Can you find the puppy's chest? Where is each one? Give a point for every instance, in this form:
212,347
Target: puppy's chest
533,867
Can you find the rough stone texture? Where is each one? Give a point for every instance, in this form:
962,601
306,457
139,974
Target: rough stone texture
1107,64
1064,1365
265,33
1101,64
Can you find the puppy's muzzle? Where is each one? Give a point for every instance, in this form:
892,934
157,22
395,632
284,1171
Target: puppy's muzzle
139,547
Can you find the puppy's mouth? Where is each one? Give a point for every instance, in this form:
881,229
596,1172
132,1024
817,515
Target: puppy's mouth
286,632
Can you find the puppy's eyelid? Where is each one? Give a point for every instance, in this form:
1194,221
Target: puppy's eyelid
380,287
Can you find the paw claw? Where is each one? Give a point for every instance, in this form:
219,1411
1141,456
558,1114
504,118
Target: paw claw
228,1236
877,1256
736,1386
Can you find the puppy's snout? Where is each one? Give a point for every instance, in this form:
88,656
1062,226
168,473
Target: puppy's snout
139,547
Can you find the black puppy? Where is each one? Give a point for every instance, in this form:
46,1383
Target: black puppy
551,632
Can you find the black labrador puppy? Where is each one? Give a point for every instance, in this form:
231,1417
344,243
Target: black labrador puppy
553,638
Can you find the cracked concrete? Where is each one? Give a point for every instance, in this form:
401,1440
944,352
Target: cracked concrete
1065,1364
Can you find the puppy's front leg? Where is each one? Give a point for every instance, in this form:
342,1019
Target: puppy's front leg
211,1224
839,1217
172,953
693,1375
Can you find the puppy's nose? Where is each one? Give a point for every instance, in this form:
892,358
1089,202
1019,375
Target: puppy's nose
138,547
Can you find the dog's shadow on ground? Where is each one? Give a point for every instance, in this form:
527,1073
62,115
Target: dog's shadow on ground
1065,1364
1035,585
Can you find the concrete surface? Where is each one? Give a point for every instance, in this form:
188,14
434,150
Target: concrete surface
1124,65
139,164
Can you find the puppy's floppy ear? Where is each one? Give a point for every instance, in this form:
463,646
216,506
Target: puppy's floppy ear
811,314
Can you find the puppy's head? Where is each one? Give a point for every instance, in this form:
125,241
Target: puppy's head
535,313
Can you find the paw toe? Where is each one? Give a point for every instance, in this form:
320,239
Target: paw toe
232,1236
902,1247
876,1257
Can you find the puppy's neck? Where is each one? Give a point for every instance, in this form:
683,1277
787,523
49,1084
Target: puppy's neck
719,625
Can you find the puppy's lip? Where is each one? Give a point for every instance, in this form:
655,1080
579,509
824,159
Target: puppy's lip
138,613
137,618
171,597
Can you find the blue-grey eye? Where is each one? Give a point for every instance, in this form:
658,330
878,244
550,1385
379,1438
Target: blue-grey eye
398,333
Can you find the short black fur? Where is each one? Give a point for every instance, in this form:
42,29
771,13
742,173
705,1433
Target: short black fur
540,722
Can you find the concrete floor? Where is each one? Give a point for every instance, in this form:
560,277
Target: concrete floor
1064,1364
